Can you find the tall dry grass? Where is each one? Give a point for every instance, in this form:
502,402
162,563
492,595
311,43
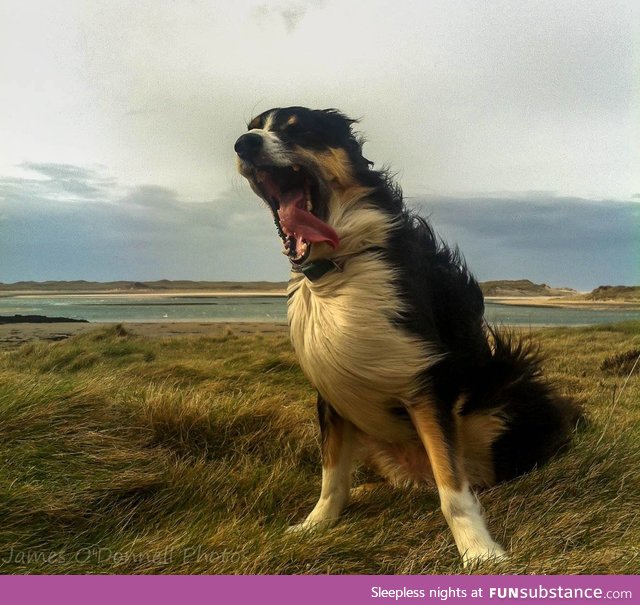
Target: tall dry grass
192,455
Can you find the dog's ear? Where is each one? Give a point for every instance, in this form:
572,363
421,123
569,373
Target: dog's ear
337,123
342,128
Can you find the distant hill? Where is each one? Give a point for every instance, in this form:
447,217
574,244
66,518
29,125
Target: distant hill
162,285
628,293
522,287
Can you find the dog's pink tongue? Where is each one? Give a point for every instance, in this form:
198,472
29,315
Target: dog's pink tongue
304,224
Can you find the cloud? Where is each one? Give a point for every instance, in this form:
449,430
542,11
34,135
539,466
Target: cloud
52,181
135,233
533,221
462,96
151,232
291,13
61,171
560,240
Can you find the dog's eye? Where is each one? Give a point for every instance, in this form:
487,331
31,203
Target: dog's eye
294,128
304,135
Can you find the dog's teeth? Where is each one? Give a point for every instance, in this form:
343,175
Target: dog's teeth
309,205
296,168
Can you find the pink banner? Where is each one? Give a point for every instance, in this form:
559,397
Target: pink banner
317,590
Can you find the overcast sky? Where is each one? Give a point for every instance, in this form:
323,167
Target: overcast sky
514,125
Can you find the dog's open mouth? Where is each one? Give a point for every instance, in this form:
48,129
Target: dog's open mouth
291,192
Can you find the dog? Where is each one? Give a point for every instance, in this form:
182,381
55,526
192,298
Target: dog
387,323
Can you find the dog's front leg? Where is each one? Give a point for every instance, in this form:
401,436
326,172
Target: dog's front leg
337,459
437,429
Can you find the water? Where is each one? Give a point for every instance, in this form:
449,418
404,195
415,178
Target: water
263,309
556,316
147,309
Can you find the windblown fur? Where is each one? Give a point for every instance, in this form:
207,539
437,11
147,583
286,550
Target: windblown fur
410,378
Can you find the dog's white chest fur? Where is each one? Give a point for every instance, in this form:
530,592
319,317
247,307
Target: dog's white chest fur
348,346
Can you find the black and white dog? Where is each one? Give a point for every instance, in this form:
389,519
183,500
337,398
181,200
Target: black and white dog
387,323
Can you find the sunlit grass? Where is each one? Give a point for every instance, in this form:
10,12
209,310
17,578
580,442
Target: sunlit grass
192,455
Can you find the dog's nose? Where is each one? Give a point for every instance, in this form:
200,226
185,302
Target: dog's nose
248,145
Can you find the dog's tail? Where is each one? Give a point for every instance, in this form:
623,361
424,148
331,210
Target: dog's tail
518,416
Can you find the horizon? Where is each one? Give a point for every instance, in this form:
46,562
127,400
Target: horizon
144,282
513,131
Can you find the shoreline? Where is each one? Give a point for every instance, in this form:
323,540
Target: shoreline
14,335
521,301
561,302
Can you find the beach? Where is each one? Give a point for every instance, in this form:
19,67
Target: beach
14,335
574,299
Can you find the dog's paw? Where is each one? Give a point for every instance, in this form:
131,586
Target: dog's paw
310,525
365,489
494,553
301,528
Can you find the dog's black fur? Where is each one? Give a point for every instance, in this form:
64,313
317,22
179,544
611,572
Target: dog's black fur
447,308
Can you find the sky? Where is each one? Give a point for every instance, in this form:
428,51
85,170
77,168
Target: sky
513,125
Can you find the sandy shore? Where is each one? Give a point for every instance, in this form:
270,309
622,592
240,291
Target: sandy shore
14,335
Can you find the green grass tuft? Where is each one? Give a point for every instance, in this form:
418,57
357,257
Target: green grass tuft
192,455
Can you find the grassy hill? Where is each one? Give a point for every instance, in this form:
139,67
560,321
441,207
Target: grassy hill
521,287
627,293
123,454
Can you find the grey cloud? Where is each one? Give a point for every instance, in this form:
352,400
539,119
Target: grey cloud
528,221
560,240
149,232
292,16
151,196
60,171
291,13
57,181
145,232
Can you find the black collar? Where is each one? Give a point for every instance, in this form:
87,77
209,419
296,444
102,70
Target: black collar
315,270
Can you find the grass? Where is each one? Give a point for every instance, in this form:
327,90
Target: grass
192,455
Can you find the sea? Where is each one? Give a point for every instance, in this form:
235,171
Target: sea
265,309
